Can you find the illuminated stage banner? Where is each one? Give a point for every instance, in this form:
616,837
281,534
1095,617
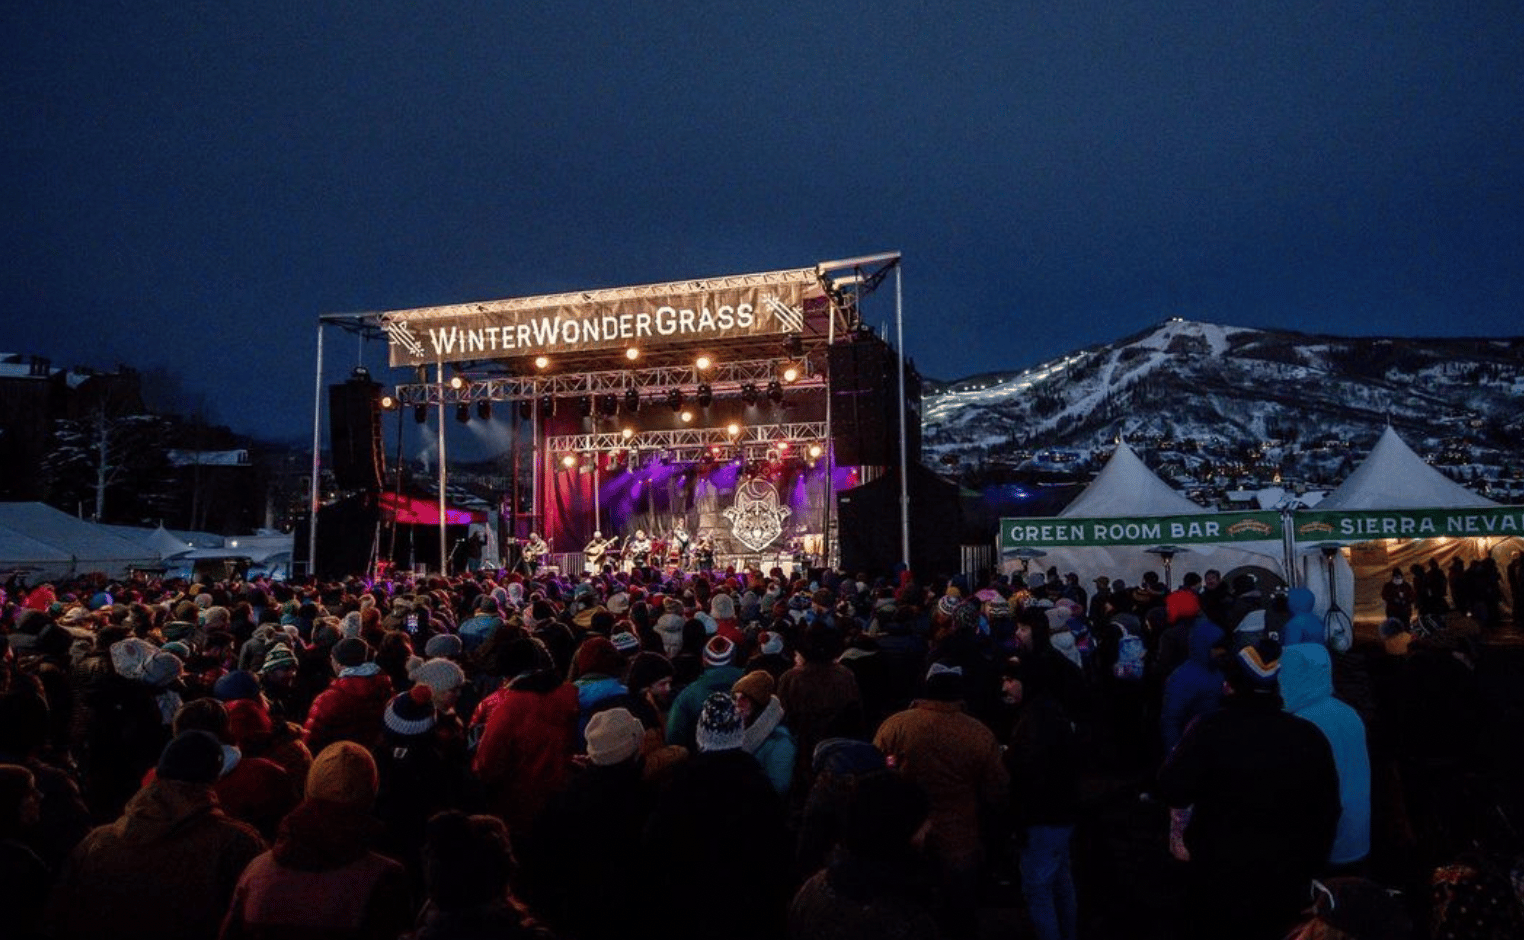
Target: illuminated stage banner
1060,532
588,321
1317,526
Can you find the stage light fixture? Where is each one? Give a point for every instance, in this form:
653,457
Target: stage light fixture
703,363
675,399
791,372
632,354
569,461
547,406
388,403
526,409
705,395
749,393
631,400
794,346
783,447
587,404
815,451
686,416
462,412
420,413
775,390
627,433
733,429
484,410
608,405
457,383
541,362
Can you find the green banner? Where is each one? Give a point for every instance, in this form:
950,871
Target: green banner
1059,532
1314,526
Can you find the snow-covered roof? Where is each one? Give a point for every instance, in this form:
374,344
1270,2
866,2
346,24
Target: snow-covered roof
1126,487
1392,476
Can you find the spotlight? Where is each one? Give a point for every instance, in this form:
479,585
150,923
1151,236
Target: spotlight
733,429
462,412
775,390
705,395
457,383
541,362
627,433
608,404
815,451
420,413
547,406
675,399
484,410
586,403
569,461
526,409
631,400
749,393
686,416
791,372
632,354
702,363
388,403
783,447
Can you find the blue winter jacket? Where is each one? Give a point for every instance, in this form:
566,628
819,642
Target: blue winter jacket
1307,688
1304,626
1194,687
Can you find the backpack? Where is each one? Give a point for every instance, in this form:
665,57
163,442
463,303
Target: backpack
1130,653
1340,638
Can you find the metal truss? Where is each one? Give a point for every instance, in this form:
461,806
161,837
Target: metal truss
724,379
687,444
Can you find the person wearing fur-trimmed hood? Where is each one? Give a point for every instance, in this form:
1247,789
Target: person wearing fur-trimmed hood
766,738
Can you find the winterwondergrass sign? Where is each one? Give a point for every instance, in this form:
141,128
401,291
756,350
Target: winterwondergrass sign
1058,532
1407,523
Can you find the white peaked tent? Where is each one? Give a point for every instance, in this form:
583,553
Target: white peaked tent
1125,488
44,543
1392,477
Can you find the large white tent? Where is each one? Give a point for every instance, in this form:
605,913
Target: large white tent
1361,516
43,543
1130,500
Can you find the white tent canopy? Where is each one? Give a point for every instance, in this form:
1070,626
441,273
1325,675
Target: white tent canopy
45,543
1126,488
1392,476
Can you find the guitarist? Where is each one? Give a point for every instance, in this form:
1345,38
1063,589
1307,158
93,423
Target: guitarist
535,549
595,550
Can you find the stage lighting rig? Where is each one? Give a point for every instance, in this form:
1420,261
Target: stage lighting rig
749,393
705,395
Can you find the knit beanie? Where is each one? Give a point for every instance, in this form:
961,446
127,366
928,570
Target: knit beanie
719,651
440,675
163,669
446,645
130,657
409,714
627,643
770,643
248,721
613,736
351,651
670,628
756,685
723,607
278,656
238,684
719,724
645,669
192,757
597,655
344,772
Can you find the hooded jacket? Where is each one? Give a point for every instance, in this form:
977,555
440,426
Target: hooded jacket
1307,686
1303,627
1194,688
350,709
772,744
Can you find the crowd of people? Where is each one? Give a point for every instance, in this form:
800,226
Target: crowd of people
734,754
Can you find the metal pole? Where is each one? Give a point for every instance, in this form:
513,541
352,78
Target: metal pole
444,562
826,555
397,499
899,342
317,442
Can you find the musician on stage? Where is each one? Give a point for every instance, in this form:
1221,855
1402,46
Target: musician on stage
534,549
595,550
638,549
680,543
703,556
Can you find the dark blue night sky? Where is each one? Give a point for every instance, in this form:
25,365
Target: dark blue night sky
189,185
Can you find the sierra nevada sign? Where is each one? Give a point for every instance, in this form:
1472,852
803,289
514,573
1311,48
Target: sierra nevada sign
1314,526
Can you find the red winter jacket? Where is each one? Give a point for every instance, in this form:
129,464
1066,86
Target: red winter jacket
526,749
350,709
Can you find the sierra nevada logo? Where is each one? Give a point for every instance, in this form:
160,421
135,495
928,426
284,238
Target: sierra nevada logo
756,519
1249,525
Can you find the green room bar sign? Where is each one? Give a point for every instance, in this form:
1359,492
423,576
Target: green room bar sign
1058,532
1316,526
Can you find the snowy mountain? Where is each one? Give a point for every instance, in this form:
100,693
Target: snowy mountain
1217,409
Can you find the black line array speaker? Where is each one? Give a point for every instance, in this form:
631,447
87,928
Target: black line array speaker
865,420
354,417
